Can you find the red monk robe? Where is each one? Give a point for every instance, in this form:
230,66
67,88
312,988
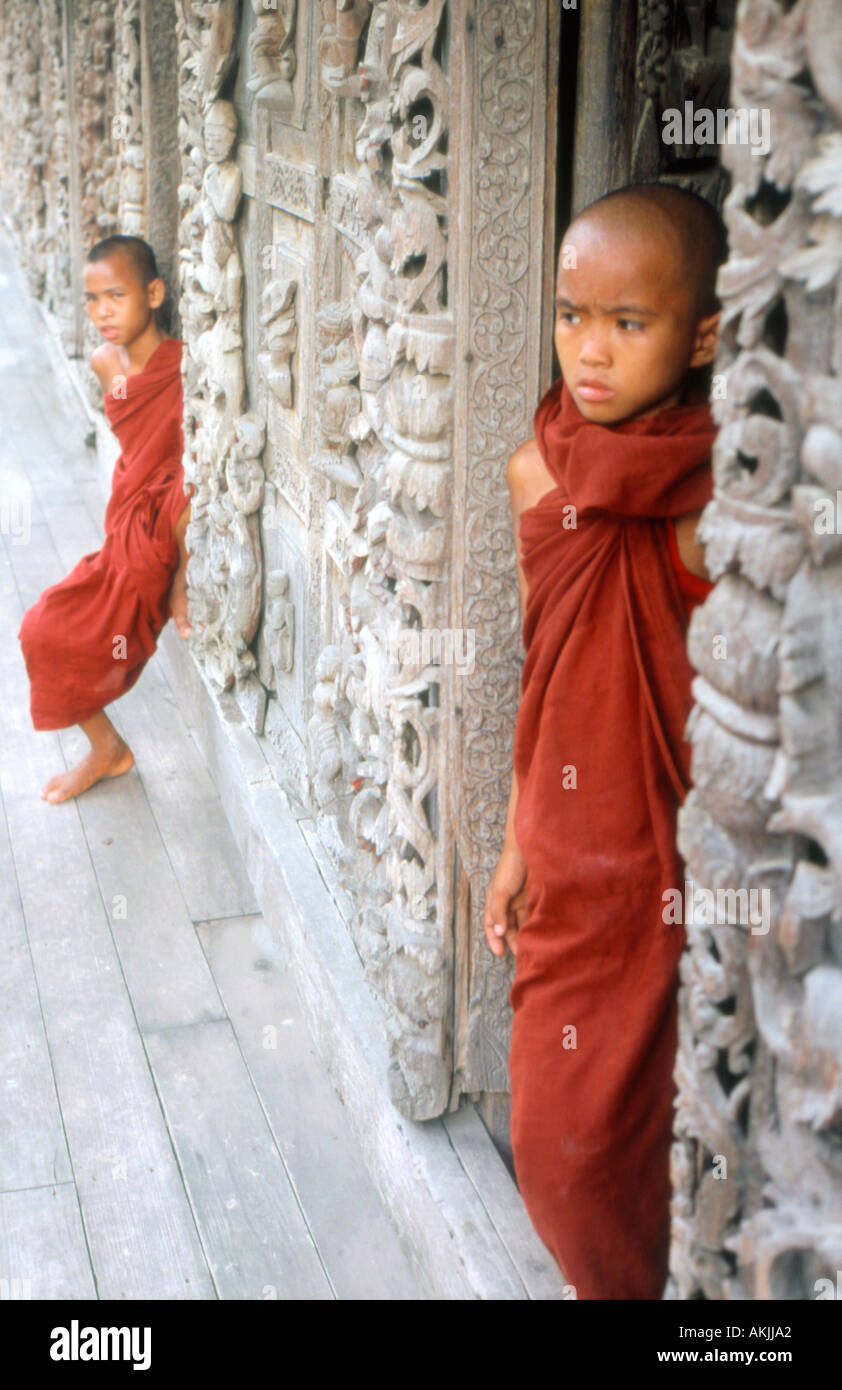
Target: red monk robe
70,637
605,691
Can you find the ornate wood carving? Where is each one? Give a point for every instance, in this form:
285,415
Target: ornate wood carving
271,52
25,64
127,126
223,441
383,424
757,1210
507,298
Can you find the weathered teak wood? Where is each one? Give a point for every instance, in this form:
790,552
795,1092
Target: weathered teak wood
493,1184
210,872
317,1230
160,957
43,1253
32,1145
128,1181
757,1200
253,1231
358,1245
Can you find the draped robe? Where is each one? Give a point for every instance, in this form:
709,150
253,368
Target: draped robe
602,767
87,639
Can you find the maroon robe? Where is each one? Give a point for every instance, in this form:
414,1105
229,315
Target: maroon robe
87,639
602,767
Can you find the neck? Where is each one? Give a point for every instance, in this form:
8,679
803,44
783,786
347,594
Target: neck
141,348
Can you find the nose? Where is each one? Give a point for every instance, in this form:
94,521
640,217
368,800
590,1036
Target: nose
594,351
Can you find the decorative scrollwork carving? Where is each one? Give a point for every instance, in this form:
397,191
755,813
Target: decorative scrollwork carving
757,1209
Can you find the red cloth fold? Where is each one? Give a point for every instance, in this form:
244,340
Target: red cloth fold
87,639
602,766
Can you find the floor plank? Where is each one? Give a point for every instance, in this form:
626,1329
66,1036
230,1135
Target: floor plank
153,1146
140,1228
184,801
357,1242
42,1245
162,961
255,1236
33,1151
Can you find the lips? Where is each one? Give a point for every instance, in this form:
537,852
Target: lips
109,331
594,391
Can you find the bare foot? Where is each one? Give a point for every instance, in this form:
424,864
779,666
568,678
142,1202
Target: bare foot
110,763
178,601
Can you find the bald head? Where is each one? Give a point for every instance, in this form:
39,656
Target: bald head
136,251
684,230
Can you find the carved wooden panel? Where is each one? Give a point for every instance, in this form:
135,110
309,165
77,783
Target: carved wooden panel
37,152
757,1209
383,439
505,264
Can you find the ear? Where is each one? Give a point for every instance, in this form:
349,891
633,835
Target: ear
156,290
705,341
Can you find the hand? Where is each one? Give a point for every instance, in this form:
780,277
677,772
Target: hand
505,902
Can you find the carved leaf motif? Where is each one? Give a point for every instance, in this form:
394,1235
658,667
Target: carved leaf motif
819,264
761,1007
750,282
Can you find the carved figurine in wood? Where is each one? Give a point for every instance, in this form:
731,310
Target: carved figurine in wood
280,334
342,23
239,537
212,25
271,52
339,398
220,274
327,732
277,638
132,192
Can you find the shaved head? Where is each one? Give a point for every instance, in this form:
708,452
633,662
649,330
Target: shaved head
688,232
134,248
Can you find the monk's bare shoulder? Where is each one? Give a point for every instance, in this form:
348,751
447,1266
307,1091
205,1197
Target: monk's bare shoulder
528,480
528,477
107,364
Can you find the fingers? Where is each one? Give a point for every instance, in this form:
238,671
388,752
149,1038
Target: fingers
504,914
500,934
494,933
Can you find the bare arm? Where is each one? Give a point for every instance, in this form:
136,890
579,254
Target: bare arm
180,530
528,481
505,904
106,363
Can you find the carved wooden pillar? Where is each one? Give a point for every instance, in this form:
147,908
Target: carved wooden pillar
503,176
24,136
606,96
384,424
161,165
54,252
757,1210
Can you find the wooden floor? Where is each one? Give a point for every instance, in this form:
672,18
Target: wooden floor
166,1128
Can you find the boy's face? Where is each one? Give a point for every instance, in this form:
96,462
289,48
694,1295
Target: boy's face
625,331
118,303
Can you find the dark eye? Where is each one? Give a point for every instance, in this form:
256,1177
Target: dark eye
631,324
568,316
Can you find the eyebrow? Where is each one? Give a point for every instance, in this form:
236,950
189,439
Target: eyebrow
562,303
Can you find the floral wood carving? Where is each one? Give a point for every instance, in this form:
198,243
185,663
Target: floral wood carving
757,1208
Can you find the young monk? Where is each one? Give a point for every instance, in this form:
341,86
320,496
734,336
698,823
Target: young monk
87,639
605,502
